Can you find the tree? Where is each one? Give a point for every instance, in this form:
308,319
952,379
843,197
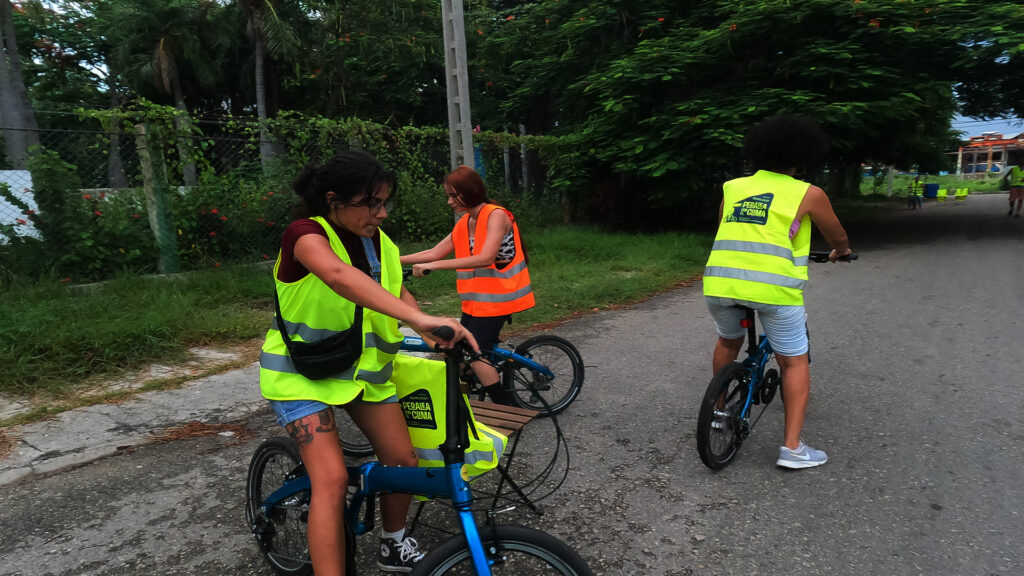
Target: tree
993,81
16,116
158,42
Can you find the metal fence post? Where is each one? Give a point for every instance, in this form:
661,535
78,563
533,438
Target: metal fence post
154,182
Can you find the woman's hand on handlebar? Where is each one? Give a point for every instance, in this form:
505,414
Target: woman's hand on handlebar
430,324
421,269
837,256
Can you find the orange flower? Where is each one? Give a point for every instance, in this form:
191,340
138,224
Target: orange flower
661,19
87,196
65,280
216,264
479,31
135,215
510,18
732,27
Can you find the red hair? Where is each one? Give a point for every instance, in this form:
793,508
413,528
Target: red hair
467,186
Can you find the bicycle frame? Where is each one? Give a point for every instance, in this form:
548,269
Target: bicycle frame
758,356
440,481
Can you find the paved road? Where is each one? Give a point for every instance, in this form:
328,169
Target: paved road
916,397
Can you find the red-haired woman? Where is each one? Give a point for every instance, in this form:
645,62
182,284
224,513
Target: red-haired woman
490,263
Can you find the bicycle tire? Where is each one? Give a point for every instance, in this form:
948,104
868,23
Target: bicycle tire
514,550
353,441
718,446
534,391
281,535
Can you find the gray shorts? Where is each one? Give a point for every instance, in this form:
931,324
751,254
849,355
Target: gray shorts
785,326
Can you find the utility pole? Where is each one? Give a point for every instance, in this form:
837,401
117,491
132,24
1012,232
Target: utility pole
460,126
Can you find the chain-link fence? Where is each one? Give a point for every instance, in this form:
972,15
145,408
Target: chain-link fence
94,201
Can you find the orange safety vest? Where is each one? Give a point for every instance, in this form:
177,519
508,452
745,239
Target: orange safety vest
490,291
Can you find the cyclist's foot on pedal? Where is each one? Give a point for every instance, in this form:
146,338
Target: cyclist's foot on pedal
498,394
803,457
395,556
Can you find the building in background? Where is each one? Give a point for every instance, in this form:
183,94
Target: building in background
987,153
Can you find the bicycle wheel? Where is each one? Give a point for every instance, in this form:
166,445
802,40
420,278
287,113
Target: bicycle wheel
281,533
514,550
353,441
718,424
535,391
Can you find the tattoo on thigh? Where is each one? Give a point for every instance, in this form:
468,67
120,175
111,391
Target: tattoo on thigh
326,421
299,431
413,454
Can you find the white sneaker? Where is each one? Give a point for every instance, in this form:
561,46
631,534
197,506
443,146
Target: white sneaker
803,457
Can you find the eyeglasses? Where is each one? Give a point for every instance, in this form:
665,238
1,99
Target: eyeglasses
374,205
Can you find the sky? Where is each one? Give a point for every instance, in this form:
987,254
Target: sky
974,126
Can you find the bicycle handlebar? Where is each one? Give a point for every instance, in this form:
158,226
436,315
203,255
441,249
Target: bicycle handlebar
822,256
461,347
407,272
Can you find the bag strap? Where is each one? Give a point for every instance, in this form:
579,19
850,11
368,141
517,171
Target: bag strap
371,257
356,321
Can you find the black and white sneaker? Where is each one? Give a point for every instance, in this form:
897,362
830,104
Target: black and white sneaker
397,556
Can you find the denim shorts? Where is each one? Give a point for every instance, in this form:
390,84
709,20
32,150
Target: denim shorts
288,411
785,326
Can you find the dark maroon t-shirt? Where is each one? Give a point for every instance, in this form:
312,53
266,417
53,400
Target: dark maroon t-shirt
291,270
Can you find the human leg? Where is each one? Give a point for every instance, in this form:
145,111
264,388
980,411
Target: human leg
796,390
317,438
385,428
485,330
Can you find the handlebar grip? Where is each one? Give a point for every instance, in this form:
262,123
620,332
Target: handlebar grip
443,332
407,272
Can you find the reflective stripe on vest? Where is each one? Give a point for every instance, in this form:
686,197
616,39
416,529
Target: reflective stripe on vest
490,291
313,311
753,257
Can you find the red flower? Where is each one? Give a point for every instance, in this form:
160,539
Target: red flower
223,218
875,22
661,19
259,219
213,233
97,212
216,264
733,27
479,31
213,210
29,212
65,280
510,18
489,83
21,221
135,216
265,256
87,196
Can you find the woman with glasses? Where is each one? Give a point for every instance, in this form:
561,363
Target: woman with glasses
490,263
338,277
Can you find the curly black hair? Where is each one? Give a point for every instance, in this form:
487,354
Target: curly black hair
353,175
780,143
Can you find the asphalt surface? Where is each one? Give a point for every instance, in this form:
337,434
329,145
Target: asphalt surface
915,396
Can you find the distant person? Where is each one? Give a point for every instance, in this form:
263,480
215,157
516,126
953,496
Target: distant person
914,200
759,260
1015,176
337,276
492,278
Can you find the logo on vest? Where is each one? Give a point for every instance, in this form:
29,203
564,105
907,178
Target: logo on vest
752,210
419,410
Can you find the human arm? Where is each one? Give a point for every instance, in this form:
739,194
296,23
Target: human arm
817,205
498,224
441,250
315,253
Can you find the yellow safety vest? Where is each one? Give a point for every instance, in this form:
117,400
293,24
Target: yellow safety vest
917,188
753,257
1016,176
312,311
420,385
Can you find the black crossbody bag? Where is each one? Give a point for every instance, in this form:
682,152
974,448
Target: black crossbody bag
328,357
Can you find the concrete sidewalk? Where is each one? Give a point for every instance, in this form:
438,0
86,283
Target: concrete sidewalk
79,436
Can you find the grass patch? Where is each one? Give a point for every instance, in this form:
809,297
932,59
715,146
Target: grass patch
60,340
60,336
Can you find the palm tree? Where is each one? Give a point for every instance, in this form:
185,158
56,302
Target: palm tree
16,115
155,40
